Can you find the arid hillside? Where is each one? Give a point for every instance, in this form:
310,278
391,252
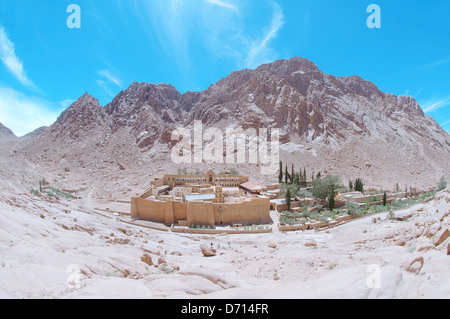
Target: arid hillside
340,125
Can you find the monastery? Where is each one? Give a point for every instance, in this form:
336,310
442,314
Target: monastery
203,200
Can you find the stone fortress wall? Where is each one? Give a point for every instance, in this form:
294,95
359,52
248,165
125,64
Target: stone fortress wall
213,211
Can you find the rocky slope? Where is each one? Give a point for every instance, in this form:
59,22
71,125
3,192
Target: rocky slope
340,125
6,133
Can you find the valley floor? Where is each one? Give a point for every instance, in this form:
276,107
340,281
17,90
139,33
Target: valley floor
56,249
65,249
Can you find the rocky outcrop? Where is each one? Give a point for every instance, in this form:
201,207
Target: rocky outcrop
320,116
441,237
206,251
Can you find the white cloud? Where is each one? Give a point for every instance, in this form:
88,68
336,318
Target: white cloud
223,4
105,87
260,52
23,114
66,103
110,77
434,105
226,35
432,65
11,61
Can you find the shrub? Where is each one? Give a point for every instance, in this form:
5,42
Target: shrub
442,184
359,185
353,209
322,187
331,201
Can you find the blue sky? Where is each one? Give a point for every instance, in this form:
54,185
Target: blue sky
192,44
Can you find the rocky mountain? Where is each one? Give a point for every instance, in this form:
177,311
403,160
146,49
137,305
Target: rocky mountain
6,134
35,133
340,125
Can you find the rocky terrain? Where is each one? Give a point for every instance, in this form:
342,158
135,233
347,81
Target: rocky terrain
66,248
100,154
345,126
6,134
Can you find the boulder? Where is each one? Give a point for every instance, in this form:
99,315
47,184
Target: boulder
272,245
444,216
146,258
448,249
415,266
433,229
425,247
419,231
402,216
441,237
401,241
311,243
207,252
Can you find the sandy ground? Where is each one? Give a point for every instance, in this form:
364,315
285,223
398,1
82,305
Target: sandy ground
66,249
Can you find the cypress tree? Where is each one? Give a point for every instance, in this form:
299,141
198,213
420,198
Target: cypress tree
359,186
288,199
384,199
331,201
292,174
286,175
280,176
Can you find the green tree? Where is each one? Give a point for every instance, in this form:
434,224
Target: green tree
292,174
322,187
359,185
350,185
288,198
384,199
331,201
442,184
280,176
286,175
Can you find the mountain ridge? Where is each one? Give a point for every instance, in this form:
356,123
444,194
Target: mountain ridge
319,115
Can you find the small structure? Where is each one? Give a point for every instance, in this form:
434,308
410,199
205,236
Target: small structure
252,188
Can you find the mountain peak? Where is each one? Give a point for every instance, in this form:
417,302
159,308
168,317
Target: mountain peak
83,111
287,67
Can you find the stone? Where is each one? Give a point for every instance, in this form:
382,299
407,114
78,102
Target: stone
401,241
146,258
207,252
425,247
311,243
272,245
402,216
441,237
444,216
416,265
448,249
433,229
419,232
